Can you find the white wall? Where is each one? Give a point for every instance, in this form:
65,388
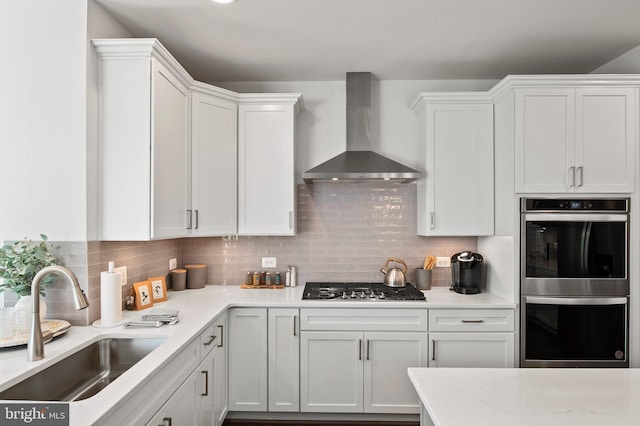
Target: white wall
321,128
42,119
627,63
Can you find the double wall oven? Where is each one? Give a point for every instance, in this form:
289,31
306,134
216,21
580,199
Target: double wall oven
574,282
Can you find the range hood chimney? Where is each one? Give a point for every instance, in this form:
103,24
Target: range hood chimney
358,164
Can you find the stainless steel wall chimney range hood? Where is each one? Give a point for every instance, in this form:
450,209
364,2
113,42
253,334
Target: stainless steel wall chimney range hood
358,164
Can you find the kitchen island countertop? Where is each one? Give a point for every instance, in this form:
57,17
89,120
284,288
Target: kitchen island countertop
528,396
197,309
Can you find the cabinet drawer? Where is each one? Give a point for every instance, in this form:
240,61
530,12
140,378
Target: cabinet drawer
364,319
471,320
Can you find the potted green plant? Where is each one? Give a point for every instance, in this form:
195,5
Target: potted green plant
19,264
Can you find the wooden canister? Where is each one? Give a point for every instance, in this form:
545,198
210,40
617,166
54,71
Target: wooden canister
196,275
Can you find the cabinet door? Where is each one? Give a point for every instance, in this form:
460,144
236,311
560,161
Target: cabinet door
182,407
476,350
458,187
206,386
606,137
247,359
331,372
214,376
545,138
214,166
284,360
221,373
387,388
170,174
266,181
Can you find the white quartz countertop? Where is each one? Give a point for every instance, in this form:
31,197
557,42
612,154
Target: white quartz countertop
529,396
197,309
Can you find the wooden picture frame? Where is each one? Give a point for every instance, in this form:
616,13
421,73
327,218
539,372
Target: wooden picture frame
142,292
158,289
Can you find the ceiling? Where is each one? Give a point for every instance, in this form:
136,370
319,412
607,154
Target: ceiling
310,40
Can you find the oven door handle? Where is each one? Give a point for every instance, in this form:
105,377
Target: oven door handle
575,300
575,217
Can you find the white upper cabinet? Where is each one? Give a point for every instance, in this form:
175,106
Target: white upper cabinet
214,164
266,173
179,158
575,139
143,153
455,197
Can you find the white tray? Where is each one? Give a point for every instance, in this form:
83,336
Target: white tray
55,326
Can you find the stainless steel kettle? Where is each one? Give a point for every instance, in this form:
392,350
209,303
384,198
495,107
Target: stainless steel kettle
394,277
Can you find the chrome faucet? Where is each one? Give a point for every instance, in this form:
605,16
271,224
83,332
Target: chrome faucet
35,344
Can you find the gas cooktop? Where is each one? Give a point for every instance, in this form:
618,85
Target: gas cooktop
359,291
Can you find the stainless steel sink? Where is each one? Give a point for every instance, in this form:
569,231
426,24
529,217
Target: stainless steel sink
85,372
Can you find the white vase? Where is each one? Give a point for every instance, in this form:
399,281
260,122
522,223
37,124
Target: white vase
25,303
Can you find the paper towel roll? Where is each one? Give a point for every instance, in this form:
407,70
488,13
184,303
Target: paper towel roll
110,298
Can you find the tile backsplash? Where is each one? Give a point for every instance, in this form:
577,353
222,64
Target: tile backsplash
346,232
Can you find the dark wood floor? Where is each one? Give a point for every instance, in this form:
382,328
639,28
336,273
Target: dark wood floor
238,422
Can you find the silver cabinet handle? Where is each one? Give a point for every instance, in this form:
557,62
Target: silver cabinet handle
211,340
432,216
359,349
433,350
221,336
572,177
472,321
368,349
189,219
294,325
197,220
206,383
579,172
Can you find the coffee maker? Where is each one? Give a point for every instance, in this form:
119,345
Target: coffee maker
467,272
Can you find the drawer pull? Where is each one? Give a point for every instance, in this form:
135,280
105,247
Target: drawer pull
472,321
221,336
360,349
206,383
368,348
211,340
433,350
294,325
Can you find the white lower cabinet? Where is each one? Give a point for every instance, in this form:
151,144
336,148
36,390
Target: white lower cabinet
182,407
264,353
213,388
477,350
360,370
471,338
202,398
248,359
284,360
331,371
387,388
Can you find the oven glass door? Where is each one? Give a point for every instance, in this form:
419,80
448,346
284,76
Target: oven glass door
590,331
575,247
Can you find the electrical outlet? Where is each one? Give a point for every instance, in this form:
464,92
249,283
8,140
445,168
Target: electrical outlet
269,262
443,262
122,270
173,263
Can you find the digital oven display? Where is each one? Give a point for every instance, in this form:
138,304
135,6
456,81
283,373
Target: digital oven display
574,204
